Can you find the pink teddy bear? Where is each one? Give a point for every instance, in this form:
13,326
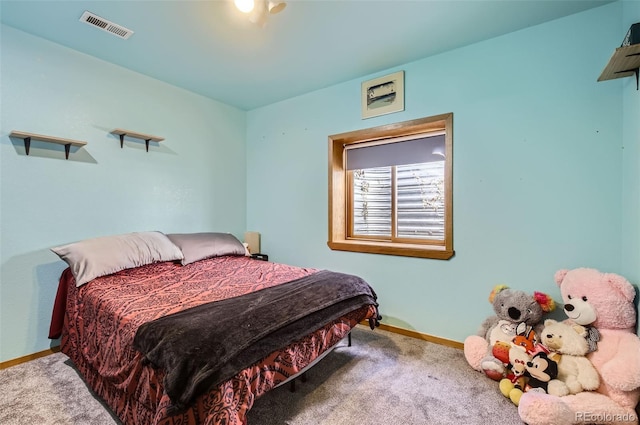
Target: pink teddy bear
604,300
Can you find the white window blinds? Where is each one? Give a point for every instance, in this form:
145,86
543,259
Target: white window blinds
419,189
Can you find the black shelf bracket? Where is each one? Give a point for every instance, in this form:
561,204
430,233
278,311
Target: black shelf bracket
146,137
636,71
146,142
27,144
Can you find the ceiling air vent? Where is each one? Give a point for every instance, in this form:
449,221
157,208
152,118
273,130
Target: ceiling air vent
98,22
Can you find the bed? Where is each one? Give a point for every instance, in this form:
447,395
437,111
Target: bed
115,326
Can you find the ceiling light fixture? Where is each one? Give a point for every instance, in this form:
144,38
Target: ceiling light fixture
244,6
276,7
260,9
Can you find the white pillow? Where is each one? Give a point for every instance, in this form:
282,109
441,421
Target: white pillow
199,246
92,258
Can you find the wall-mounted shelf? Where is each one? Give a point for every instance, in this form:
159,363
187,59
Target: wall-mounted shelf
624,62
146,137
27,137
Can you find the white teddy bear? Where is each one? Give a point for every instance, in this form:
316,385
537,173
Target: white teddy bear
569,341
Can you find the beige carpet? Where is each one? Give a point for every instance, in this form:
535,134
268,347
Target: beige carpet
382,379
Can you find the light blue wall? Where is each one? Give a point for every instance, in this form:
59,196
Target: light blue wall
537,176
192,181
631,162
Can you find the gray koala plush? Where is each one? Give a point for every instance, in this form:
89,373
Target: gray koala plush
516,313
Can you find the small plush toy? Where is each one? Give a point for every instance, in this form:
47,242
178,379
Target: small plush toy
531,372
512,308
528,340
574,369
500,351
611,299
541,371
514,384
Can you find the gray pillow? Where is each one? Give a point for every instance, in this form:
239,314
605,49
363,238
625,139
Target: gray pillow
198,246
92,258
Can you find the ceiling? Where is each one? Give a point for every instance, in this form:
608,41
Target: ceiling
210,48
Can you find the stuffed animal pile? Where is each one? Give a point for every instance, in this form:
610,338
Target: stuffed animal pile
582,370
606,302
516,314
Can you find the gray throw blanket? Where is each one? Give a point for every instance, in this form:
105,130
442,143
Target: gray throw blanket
203,346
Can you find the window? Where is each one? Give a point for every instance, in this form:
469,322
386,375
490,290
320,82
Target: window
390,189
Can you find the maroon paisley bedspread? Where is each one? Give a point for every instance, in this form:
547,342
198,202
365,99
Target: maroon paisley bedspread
101,319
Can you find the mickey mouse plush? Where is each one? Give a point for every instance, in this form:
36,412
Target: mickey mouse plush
541,370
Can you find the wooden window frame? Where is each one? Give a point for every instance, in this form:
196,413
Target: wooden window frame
339,190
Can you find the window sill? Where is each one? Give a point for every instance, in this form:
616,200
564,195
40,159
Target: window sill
389,248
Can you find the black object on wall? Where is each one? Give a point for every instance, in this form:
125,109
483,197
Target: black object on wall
633,35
